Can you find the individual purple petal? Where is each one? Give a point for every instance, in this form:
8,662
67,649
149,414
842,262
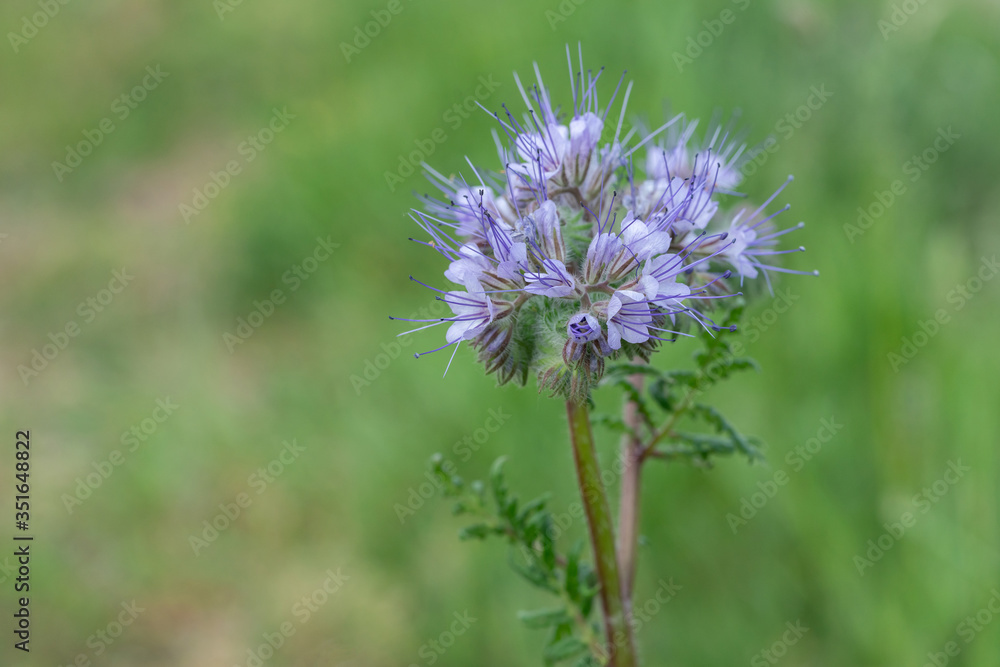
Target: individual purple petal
555,282
470,264
473,311
584,133
641,240
628,318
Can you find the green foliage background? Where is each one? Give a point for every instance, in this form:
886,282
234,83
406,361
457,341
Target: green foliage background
367,446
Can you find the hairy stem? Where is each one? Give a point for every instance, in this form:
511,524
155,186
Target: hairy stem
628,508
618,632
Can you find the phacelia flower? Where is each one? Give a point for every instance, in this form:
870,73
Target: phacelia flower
567,258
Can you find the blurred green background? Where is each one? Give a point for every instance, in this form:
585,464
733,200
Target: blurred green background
331,507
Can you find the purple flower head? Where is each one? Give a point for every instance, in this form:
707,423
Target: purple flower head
568,257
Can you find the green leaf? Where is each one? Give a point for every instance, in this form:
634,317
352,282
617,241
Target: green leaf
619,372
498,484
720,369
572,583
544,618
613,422
531,572
659,391
564,649
681,378
536,505
478,531
722,425
636,397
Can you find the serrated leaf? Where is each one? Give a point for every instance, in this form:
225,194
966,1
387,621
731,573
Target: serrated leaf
536,505
699,444
681,377
715,370
722,425
532,573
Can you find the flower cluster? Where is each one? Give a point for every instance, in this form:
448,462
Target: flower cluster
567,257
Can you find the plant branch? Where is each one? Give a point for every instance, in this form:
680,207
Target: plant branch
667,428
